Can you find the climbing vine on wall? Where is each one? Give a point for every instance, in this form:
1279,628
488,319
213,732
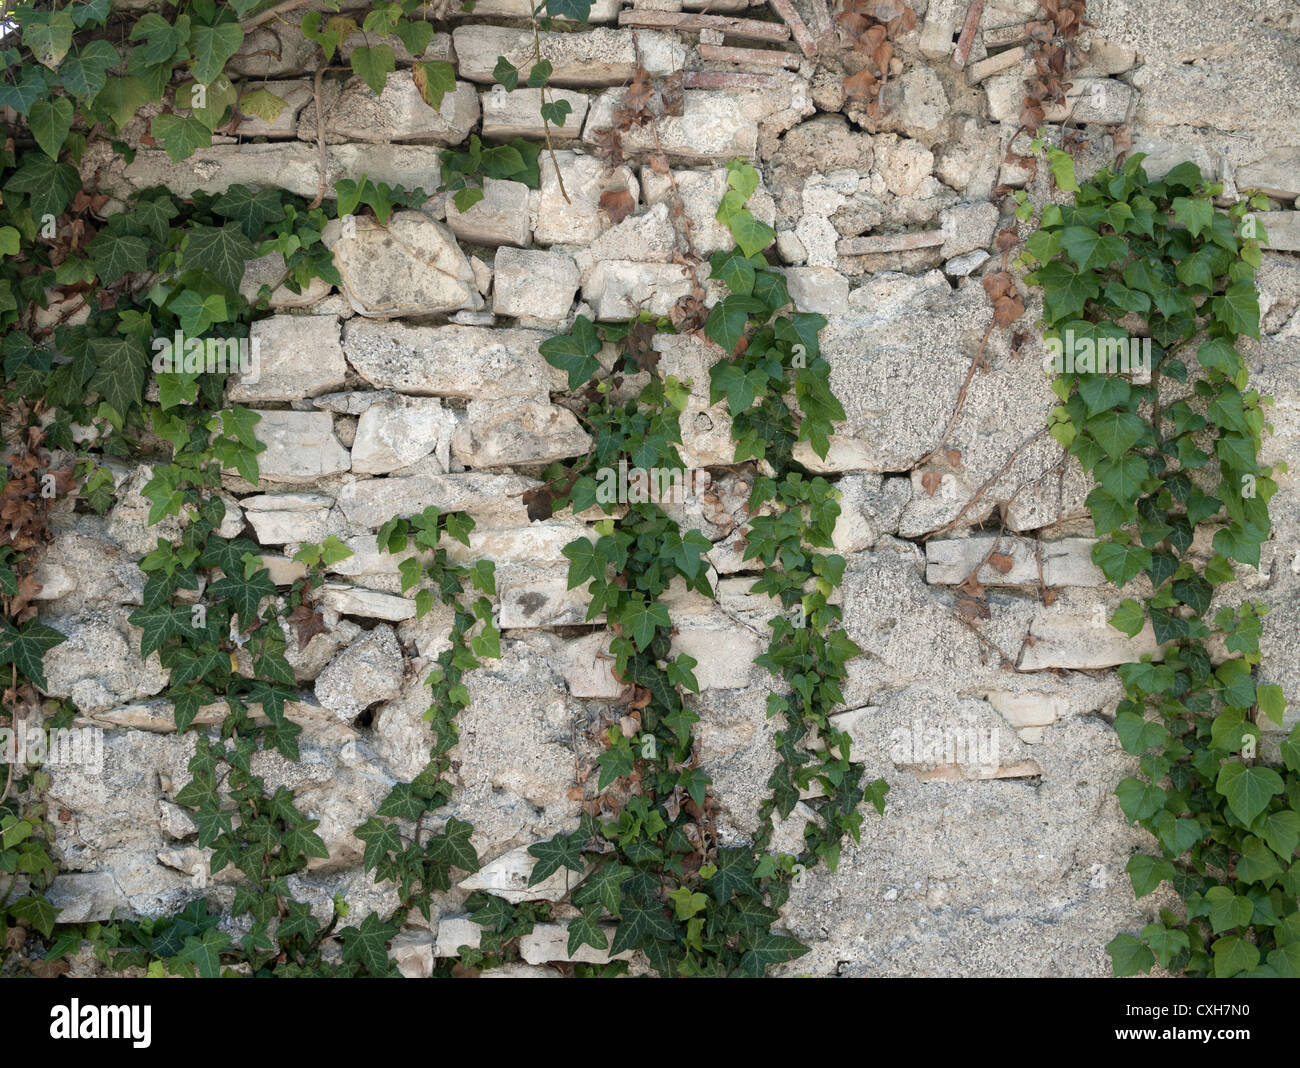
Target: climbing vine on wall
646,848
1180,505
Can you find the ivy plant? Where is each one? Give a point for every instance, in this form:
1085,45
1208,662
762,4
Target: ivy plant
1173,458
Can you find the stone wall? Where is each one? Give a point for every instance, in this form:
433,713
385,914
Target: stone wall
418,382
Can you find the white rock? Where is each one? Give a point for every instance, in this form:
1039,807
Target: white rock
398,114
507,115
534,285
295,356
499,433
507,877
413,266
500,218
596,57
818,289
401,430
713,125
281,518
451,361
300,447
366,672
494,500
579,219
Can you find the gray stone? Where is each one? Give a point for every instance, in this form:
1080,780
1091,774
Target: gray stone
98,664
818,289
507,877
1282,228
297,355
619,289
366,672
412,952
534,285
968,227
399,431
398,114
438,48
596,57
500,433
579,219
1244,92
296,94
281,518
550,942
714,125
272,51
915,105
291,166
588,669
962,266
300,447
366,604
86,897
1101,100
700,193
451,361
1067,562
270,270
412,266
1075,633
493,500
601,10
500,218
518,113
1276,173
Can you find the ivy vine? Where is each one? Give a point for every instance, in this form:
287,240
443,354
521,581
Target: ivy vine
1174,457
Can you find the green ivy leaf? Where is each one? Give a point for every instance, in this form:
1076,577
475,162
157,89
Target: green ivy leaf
1116,432
25,647
374,63
251,208
212,46
50,122
1129,956
1196,215
1147,872
563,850
115,255
49,185
122,365
181,135
204,952
1248,790
574,352
221,251
1233,955
751,235
770,949
367,946
506,73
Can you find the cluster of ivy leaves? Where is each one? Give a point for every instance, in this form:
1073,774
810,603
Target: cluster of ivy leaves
1171,462
809,648
399,848
653,878
463,171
